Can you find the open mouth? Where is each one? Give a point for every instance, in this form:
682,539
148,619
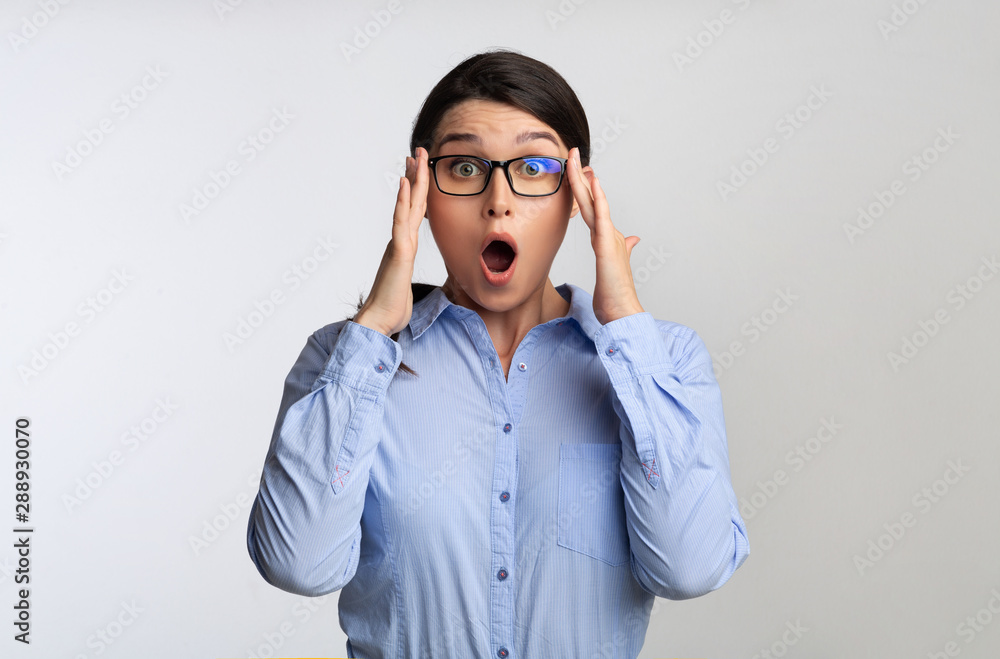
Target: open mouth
498,256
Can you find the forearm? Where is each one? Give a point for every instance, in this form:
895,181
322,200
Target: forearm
685,532
304,530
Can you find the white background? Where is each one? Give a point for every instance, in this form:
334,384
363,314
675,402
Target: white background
710,259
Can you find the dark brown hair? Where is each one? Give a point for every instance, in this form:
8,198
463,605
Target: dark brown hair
508,77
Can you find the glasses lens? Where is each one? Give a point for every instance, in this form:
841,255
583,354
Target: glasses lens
461,175
535,175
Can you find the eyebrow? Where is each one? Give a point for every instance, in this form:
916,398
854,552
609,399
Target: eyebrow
526,136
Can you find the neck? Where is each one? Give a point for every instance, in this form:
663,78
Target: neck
507,326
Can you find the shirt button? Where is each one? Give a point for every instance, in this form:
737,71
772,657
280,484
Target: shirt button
522,366
504,496
506,427
502,652
611,351
502,574
380,368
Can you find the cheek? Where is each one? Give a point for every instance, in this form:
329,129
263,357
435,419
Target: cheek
542,244
553,238
453,232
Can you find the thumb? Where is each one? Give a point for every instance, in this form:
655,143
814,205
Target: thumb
630,243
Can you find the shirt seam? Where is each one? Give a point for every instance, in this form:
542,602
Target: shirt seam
352,438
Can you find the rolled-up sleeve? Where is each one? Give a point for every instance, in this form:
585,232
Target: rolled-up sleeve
686,534
304,530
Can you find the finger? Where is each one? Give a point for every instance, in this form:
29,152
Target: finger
578,177
400,213
402,224
581,188
418,200
412,167
410,182
410,170
631,242
602,212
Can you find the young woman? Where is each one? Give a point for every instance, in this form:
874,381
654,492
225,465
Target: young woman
547,461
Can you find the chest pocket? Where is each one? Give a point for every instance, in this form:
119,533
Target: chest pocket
591,502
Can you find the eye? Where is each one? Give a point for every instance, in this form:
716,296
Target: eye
534,167
466,168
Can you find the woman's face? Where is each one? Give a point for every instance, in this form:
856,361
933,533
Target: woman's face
462,225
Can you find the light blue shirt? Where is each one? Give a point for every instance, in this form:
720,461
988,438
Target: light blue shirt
465,515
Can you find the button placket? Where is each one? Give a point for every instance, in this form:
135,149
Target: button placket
500,593
504,395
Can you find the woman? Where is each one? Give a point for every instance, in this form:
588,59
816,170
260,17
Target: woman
548,461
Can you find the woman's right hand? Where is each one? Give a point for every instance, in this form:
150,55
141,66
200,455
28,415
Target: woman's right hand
390,302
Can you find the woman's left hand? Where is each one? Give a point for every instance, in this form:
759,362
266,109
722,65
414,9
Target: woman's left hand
614,290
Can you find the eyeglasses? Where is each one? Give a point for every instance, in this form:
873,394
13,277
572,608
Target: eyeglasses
530,176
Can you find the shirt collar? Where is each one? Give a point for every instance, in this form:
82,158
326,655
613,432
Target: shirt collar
427,310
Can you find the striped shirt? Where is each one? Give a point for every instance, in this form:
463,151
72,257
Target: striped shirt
462,514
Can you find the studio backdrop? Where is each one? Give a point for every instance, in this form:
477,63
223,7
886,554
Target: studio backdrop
189,189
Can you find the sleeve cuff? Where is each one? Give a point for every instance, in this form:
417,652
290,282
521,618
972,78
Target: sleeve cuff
632,346
362,358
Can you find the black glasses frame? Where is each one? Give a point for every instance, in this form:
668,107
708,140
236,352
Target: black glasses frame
503,164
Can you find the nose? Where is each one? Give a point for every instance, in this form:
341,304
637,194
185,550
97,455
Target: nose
497,197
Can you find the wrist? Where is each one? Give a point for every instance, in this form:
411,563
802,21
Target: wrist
363,320
618,314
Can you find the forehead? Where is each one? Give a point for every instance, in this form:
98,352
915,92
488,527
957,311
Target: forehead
495,124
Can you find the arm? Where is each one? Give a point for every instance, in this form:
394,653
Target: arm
304,531
685,531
